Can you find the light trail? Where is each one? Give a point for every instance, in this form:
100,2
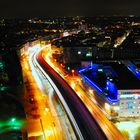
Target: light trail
59,95
108,128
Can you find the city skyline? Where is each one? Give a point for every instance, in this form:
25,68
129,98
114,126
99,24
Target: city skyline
69,78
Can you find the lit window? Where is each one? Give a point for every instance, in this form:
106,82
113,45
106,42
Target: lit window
89,54
79,52
130,105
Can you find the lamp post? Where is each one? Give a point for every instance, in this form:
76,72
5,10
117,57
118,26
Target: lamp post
72,72
43,129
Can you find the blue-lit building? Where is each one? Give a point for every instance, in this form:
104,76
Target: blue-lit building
134,67
118,88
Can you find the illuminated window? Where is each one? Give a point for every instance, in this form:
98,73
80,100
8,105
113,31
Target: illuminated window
130,105
89,54
79,52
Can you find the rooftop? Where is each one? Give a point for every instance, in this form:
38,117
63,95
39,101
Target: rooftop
125,79
117,72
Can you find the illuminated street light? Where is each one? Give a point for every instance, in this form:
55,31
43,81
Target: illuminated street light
107,107
68,68
46,109
72,72
49,132
13,120
90,91
79,52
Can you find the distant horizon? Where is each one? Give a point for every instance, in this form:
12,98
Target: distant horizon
42,8
67,16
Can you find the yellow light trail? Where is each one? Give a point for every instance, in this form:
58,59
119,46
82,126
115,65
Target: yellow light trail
74,81
45,124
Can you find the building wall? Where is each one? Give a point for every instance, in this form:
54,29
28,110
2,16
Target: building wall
77,54
129,102
127,106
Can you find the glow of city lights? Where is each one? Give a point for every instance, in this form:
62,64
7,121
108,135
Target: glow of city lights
48,45
72,71
34,72
68,68
90,91
79,52
49,132
107,106
112,100
34,48
116,108
84,69
46,109
79,94
13,119
59,95
131,127
65,34
93,84
73,84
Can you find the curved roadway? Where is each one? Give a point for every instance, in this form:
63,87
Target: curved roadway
88,126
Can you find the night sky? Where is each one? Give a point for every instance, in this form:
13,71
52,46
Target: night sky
42,8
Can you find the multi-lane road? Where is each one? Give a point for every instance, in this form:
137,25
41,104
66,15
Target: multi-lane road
86,120
84,124
99,122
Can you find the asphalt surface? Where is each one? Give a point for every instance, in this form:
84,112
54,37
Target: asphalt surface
87,124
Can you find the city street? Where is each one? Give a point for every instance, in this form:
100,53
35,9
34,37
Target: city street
46,118
74,81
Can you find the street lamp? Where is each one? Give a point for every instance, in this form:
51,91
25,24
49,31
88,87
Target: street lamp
72,72
13,120
68,68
